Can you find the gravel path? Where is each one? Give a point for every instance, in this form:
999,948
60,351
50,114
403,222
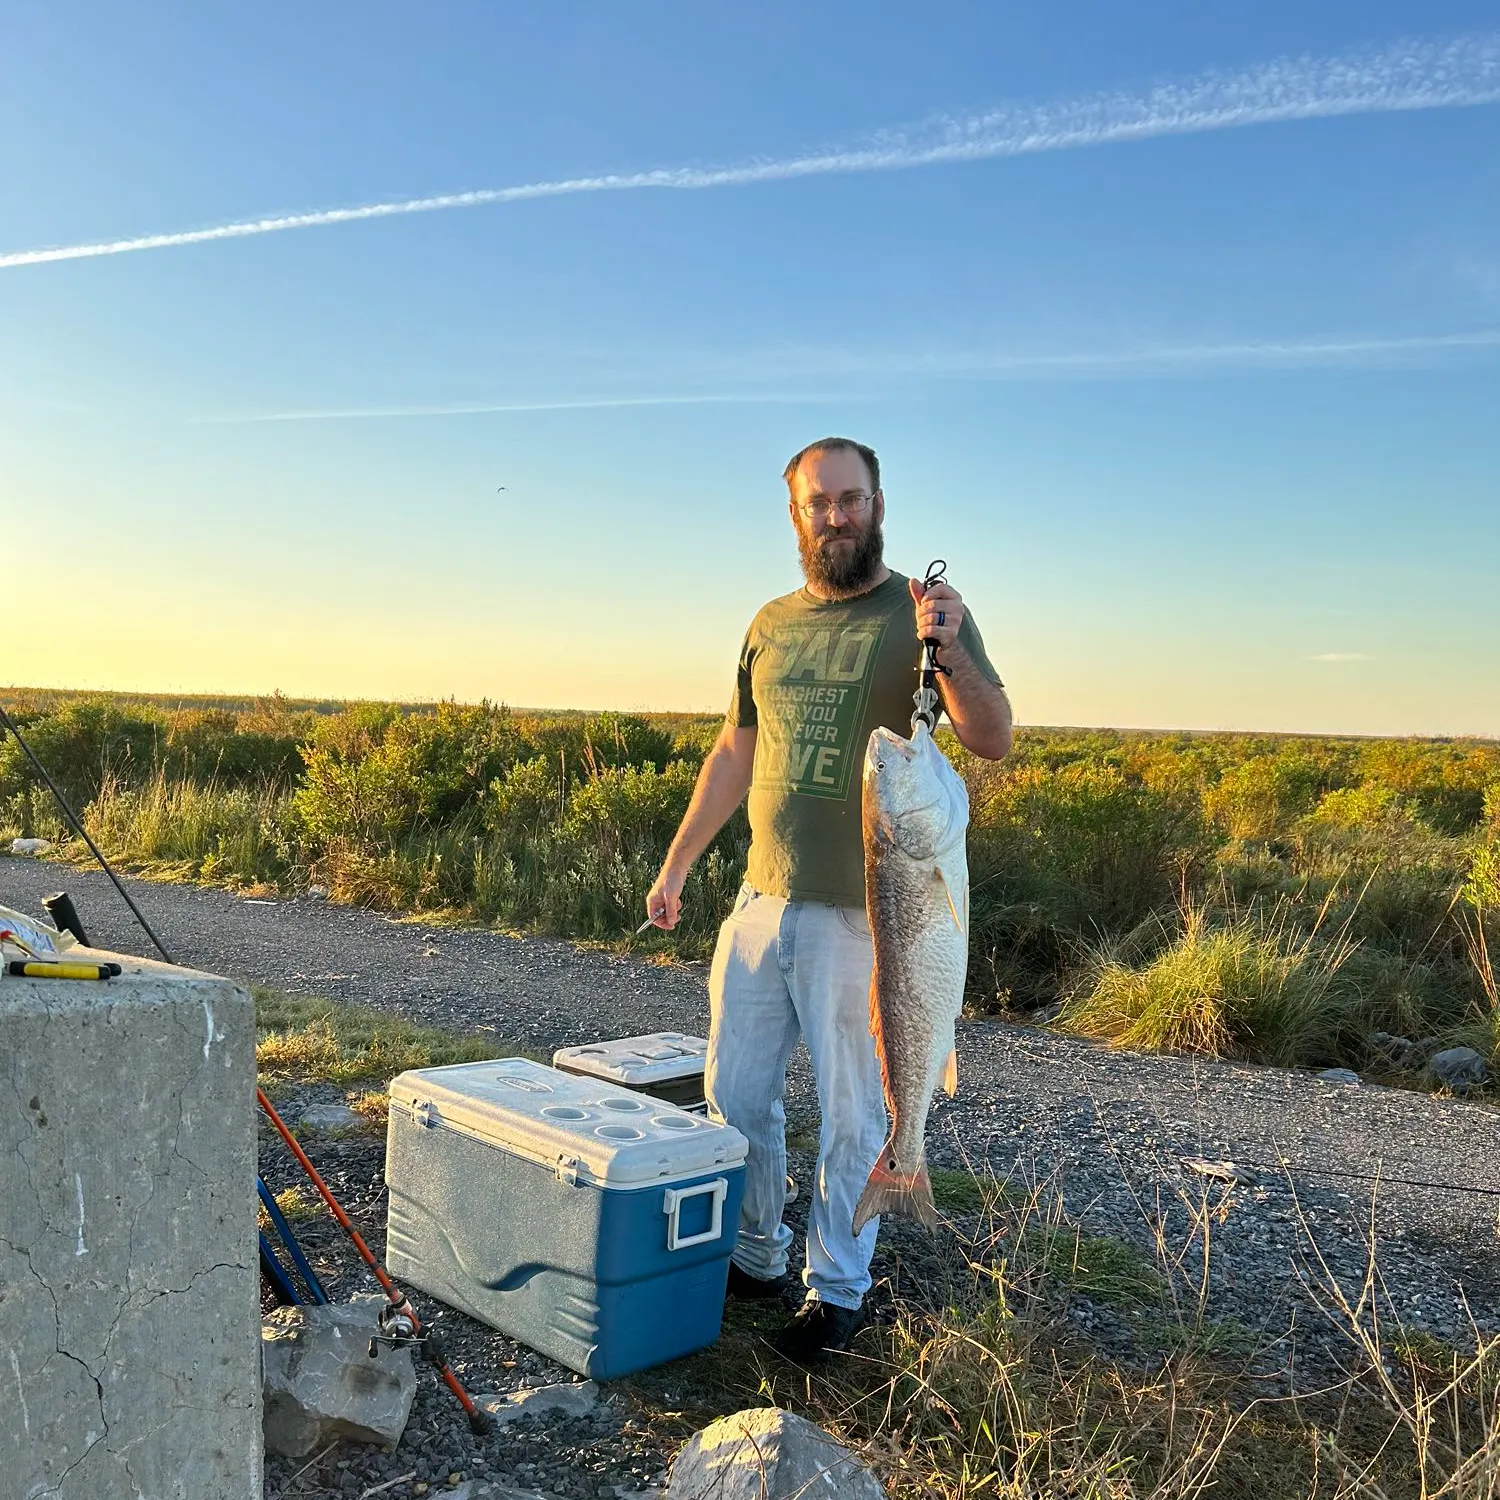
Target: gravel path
1111,1131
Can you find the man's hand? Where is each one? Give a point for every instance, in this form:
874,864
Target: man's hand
664,900
940,611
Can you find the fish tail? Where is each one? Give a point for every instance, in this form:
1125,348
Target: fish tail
891,1191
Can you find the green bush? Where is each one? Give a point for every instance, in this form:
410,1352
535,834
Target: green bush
1084,841
83,744
1259,799
1060,857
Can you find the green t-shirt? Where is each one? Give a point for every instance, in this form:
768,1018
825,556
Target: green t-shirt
815,677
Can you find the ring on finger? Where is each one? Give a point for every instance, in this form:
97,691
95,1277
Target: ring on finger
942,616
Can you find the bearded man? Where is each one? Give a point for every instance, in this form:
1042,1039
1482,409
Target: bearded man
820,669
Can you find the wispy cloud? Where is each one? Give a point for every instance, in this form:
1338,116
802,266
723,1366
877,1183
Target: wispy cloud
479,408
1411,75
868,376
1269,353
1339,657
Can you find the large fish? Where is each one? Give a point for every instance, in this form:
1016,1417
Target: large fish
916,812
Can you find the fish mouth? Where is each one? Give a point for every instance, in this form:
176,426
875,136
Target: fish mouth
884,741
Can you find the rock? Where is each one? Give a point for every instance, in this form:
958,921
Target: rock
320,1382
317,892
569,1399
1339,1075
30,846
482,1489
1459,1069
768,1454
1400,1050
1219,1171
328,1117
1047,1014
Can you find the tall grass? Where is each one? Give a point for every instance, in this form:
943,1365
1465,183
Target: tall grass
1238,985
205,831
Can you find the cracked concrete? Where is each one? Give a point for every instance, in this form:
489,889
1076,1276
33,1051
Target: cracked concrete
129,1291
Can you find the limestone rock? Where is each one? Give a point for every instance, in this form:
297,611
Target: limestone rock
328,1117
1460,1069
1339,1075
567,1399
320,1382
768,1454
482,1489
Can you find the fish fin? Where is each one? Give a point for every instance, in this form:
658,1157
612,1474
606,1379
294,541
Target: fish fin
891,1191
952,895
877,1030
950,1074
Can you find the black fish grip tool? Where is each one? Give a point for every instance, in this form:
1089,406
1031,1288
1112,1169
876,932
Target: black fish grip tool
927,698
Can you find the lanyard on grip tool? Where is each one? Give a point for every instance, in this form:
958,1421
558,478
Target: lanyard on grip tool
926,695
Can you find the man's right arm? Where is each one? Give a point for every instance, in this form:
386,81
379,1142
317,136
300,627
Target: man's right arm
722,785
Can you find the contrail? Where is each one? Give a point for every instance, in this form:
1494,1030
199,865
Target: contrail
1164,360
1409,75
483,408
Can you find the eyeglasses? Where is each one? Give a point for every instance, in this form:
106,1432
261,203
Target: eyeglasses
821,508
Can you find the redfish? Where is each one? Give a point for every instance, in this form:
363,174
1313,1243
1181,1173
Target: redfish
916,814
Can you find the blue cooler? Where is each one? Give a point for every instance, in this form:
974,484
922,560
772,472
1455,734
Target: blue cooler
590,1222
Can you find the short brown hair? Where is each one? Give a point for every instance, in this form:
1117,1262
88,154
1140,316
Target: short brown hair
835,445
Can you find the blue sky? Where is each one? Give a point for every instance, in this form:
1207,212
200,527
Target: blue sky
1201,414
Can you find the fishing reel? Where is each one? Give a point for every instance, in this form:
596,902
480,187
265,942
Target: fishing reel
398,1330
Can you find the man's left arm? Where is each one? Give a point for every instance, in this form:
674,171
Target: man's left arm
976,704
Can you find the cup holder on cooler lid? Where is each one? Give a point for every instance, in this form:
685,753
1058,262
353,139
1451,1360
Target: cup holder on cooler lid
564,1112
675,1122
620,1133
623,1106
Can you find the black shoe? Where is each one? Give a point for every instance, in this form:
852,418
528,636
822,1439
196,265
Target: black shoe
743,1284
818,1331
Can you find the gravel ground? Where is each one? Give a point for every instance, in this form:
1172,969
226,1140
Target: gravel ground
1111,1132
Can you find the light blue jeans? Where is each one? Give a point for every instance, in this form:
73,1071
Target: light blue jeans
784,969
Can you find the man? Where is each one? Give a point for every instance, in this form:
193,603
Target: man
819,670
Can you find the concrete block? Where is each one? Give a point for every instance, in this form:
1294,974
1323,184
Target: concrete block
129,1281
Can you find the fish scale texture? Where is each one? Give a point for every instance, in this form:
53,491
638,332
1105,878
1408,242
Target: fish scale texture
915,810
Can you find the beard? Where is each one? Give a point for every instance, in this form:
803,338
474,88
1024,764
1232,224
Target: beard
848,571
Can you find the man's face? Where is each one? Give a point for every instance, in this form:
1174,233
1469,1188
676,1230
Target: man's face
840,552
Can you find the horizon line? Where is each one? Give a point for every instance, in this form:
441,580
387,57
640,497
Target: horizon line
15,690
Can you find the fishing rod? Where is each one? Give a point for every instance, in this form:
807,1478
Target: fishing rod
9,723
1376,1177
399,1323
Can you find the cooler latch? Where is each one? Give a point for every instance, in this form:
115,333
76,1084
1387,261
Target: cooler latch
672,1208
566,1168
424,1114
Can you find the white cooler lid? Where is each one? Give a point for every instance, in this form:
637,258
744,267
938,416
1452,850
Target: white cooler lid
589,1129
659,1058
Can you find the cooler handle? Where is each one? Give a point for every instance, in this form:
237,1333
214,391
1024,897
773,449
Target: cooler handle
672,1208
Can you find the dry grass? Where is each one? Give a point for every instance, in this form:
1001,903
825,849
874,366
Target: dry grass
1234,984
984,1386
303,1039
